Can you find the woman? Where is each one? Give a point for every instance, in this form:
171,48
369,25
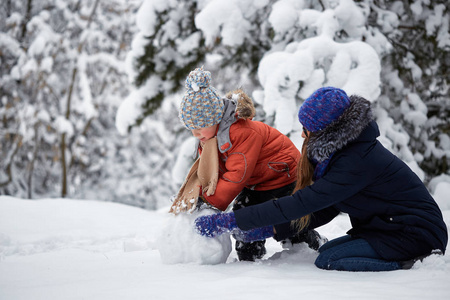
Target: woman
394,218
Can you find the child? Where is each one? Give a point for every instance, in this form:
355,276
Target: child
256,163
395,221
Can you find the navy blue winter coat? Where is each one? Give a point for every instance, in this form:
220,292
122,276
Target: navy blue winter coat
387,203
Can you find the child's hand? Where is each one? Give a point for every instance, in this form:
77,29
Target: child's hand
183,205
216,224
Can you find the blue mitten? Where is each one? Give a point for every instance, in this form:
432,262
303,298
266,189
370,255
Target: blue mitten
216,224
253,235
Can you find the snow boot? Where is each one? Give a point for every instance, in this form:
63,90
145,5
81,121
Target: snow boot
250,251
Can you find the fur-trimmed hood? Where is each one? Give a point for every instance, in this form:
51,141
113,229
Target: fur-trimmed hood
238,105
343,130
244,104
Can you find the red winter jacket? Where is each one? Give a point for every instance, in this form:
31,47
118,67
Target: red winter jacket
251,154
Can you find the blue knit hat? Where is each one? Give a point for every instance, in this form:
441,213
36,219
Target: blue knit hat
201,105
322,108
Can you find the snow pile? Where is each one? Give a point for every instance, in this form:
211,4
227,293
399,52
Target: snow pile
179,243
433,262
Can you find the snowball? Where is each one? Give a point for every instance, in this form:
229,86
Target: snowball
179,243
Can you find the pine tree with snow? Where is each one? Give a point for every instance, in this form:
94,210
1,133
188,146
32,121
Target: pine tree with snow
283,50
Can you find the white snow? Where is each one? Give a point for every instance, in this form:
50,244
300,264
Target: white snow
75,249
184,161
283,17
179,243
128,112
354,66
225,16
130,108
63,126
146,16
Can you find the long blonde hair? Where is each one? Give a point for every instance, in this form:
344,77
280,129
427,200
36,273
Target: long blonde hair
305,173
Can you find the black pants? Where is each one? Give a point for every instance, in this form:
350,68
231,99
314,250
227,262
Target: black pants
254,250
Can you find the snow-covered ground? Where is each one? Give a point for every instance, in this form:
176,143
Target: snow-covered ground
74,249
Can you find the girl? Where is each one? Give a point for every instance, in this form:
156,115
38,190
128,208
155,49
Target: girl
256,163
345,169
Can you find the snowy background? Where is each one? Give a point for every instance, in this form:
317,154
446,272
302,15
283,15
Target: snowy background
73,249
90,90
89,96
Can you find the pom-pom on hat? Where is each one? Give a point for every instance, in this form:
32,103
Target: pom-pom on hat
201,105
323,107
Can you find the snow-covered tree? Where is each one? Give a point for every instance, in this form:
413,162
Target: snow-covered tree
75,74
166,48
415,76
61,81
394,53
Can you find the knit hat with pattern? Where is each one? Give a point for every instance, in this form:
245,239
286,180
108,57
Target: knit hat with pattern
201,105
323,107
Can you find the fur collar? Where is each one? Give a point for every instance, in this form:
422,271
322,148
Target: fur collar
322,144
244,104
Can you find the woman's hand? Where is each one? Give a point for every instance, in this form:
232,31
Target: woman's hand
217,224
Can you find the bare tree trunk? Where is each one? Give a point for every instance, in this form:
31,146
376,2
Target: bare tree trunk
68,109
16,144
26,20
8,8
33,160
64,166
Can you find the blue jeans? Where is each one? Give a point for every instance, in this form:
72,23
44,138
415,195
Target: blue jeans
352,254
